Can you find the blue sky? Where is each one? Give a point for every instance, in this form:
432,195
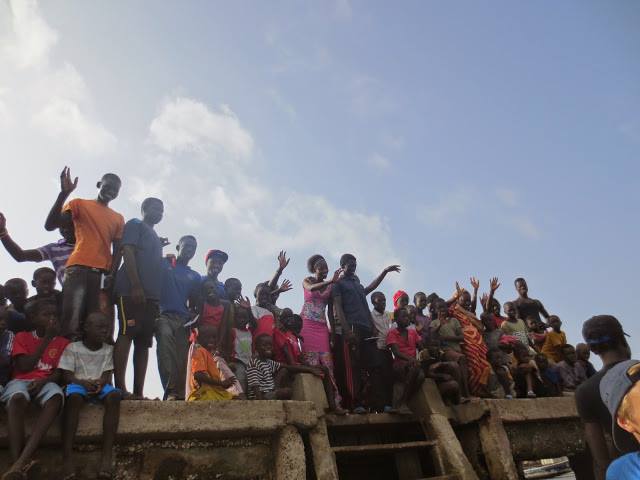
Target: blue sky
456,138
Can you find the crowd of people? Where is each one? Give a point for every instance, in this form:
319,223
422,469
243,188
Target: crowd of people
57,348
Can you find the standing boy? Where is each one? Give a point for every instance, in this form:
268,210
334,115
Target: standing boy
554,340
355,352
138,286
87,367
215,260
35,377
98,230
180,287
528,307
383,393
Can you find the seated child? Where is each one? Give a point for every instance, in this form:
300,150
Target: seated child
571,371
537,334
209,376
44,281
513,325
491,334
446,374
584,353
448,331
6,345
403,343
35,357
87,368
288,350
554,341
525,374
551,380
265,377
500,383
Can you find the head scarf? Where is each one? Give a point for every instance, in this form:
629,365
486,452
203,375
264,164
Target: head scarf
397,296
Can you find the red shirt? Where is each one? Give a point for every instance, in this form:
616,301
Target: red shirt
264,320
211,315
406,346
285,341
26,343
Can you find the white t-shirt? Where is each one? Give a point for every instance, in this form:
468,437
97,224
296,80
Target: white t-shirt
382,323
84,363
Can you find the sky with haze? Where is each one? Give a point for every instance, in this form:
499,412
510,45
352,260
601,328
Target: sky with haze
454,138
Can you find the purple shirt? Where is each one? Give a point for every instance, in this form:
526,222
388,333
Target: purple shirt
57,253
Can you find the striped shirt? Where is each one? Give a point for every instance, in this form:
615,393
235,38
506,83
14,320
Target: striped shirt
57,253
260,373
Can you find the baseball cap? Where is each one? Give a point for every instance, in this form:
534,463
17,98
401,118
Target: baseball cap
615,384
216,253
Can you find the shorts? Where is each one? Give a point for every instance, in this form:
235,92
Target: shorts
137,321
76,389
401,370
17,386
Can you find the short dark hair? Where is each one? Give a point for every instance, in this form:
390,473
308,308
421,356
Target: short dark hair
43,270
111,176
519,279
415,295
346,258
36,305
258,287
565,346
603,333
14,282
231,280
377,293
149,200
94,315
184,237
311,262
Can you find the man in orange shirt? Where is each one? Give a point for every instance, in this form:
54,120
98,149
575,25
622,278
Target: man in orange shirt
98,229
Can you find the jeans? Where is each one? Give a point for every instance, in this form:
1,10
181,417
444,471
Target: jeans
80,297
172,350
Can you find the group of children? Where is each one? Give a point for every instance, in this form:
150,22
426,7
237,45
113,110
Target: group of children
213,344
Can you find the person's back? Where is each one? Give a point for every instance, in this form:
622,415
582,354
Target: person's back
605,337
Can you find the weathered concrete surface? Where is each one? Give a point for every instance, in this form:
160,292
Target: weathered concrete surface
154,420
324,460
289,456
427,404
307,387
496,447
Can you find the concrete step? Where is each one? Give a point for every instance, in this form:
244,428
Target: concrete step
381,448
354,420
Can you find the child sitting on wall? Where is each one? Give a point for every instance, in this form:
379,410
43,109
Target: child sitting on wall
525,374
551,379
554,340
500,383
87,368
209,376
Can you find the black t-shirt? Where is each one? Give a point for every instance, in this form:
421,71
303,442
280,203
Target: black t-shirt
529,308
592,409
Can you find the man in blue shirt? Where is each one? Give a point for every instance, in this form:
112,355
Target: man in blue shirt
355,349
180,290
137,287
620,391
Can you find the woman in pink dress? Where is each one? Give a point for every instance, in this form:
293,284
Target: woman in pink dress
316,349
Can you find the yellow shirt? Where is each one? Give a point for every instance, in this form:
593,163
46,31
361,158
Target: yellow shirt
552,346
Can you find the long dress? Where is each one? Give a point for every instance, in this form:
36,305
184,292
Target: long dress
316,350
474,349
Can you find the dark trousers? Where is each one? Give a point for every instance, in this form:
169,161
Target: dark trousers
381,380
80,297
356,369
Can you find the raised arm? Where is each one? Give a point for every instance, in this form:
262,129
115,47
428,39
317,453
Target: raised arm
308,285
373,285
283,261
475,283
56,217
18,254
493,286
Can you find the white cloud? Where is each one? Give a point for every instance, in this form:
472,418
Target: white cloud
63,120
378,161
53,99
185,124
32,37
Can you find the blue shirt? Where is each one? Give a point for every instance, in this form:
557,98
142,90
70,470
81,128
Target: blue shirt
222,293
179,284
148,260
354,302
626,467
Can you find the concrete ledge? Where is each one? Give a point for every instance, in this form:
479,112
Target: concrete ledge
532,410
154,420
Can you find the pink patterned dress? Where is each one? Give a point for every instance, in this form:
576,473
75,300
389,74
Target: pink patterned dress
316,350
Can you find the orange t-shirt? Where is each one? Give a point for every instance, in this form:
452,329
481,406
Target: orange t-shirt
97,227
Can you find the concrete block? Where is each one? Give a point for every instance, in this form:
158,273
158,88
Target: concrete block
309,387
290,462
